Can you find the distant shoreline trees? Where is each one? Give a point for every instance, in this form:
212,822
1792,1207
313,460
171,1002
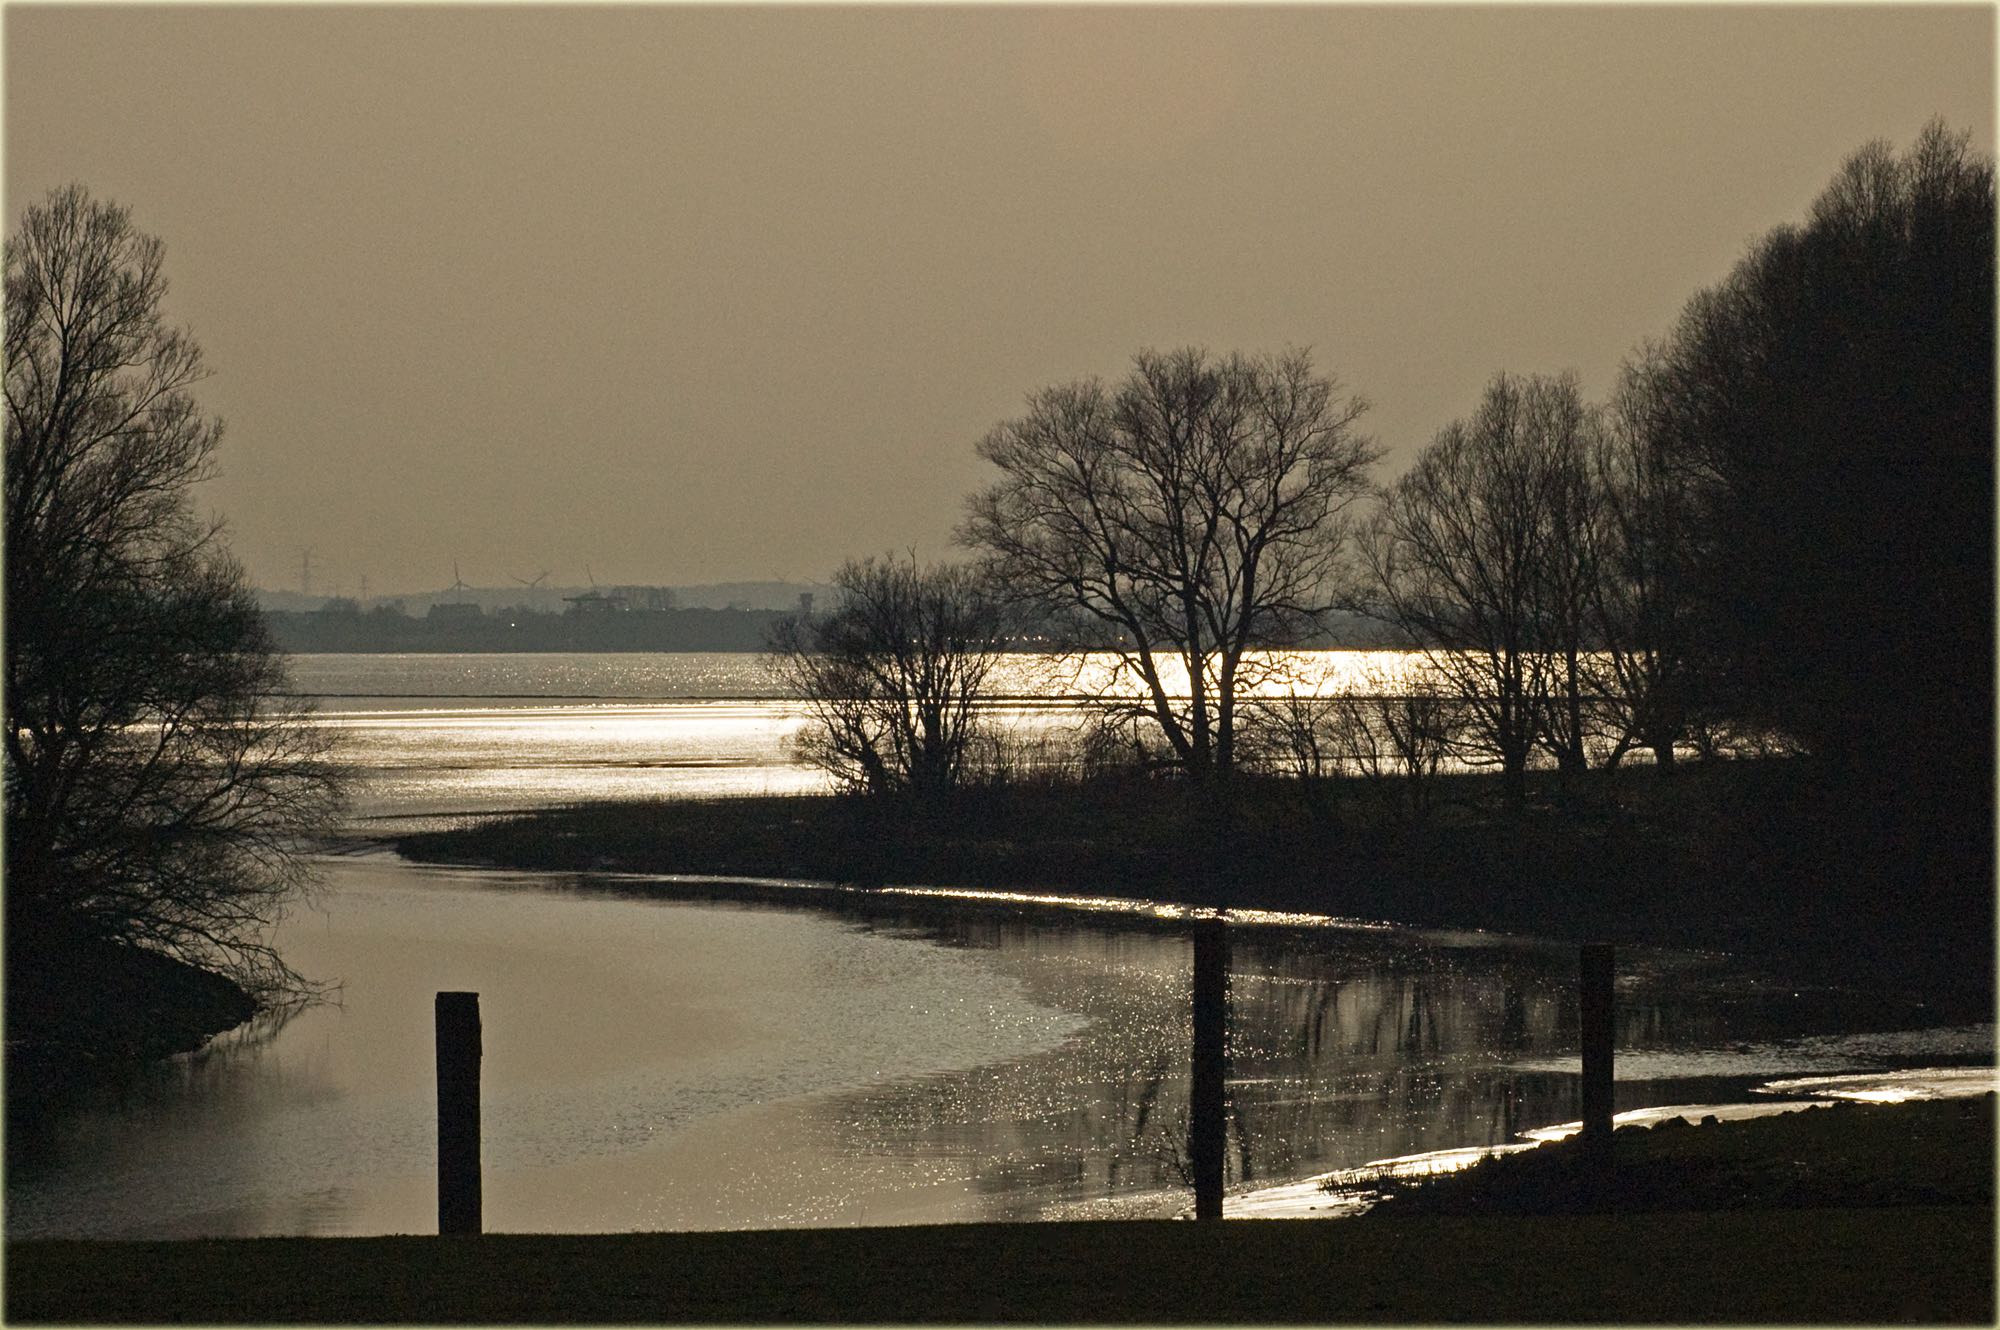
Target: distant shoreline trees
159,782
388,628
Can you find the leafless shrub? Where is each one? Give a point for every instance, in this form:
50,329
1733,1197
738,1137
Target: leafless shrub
893,676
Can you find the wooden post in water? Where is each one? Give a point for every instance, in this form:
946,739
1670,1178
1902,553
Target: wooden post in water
1205,1093
458,1053
1597,1047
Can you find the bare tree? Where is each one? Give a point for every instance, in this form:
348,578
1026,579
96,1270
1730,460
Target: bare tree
892,676
1292,734
159,779
1563,431
1484,554
1191,514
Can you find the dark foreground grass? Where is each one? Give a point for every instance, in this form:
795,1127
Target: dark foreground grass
1854,1154
1926,1265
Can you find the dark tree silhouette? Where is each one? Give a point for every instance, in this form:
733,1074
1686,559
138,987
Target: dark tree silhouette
1564,430
1188,516
158,778
1644,600
1833,404
892,676
1485,553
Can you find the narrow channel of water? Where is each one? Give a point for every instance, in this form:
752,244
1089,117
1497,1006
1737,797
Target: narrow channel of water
658,1063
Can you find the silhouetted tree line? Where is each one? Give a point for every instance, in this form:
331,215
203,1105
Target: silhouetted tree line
1777,529
1829,410
1780,522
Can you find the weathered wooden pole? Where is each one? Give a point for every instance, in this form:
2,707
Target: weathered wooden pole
1597,1046
1205,1094
458,1054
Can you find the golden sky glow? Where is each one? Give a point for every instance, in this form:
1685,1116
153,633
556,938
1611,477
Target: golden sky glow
689,293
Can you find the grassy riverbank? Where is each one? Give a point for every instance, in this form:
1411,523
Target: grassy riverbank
79,1007
1851,1154
1731,856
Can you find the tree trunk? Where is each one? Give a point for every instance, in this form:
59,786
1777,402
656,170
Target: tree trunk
1514,781
1574,760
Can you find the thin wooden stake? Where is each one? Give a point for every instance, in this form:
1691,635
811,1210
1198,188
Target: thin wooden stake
1205,1093
458,1053
1596,970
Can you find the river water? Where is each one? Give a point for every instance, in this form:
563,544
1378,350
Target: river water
661,1063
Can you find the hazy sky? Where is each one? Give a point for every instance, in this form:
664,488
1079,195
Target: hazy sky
690,294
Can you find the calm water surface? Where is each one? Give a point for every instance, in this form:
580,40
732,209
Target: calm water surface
671,1063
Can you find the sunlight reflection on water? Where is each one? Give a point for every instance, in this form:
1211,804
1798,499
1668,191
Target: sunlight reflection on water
1894,1087
674,1064
446,733
489,759
661,676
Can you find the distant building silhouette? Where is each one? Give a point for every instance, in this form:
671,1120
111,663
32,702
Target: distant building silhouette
455,611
